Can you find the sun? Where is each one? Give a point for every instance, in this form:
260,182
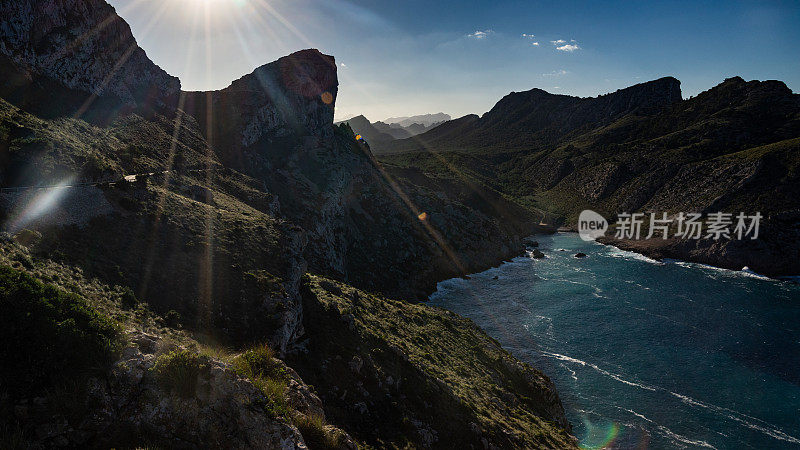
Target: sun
219,3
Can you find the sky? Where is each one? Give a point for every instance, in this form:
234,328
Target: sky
402,58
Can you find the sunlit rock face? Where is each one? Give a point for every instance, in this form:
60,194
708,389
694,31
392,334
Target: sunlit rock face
84,45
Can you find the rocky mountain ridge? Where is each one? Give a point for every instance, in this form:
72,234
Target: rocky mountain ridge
379,133
539,118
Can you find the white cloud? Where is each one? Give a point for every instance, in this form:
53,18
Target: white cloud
569,47
558,42
556,73
529,36
535,43
344,66
480,34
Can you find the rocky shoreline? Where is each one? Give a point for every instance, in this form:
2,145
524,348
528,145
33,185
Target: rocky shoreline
731,255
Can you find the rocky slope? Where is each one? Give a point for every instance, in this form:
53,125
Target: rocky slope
154,386
454,388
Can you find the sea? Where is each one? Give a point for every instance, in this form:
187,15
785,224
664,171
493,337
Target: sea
644,353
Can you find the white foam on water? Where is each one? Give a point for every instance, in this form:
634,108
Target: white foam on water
669,433
598,369
619,253
744,419
748,421
744,273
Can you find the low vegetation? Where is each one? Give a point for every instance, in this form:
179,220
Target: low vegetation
48,335
262,369
399,374
177,371
316,432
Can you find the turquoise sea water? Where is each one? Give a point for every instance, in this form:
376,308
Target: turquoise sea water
647,354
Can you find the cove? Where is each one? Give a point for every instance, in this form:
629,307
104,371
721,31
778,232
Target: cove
646,354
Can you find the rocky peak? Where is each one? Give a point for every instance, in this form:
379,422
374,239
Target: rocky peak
291,98
657,93
536,110
762,99
83,45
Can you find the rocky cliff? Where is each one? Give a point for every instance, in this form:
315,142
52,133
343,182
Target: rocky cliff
83,45
281,104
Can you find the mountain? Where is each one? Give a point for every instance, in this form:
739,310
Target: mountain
86,47
395,130
361,125
426,120
379,133
732,149
538,118
178,264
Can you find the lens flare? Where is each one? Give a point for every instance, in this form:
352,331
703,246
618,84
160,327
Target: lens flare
35,204
599,437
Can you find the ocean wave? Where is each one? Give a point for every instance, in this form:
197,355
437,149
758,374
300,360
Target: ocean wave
598,369
746,420
751,422
615,252
713,270
669,433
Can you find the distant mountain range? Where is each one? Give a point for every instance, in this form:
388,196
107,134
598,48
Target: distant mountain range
427,120
734,148
378,133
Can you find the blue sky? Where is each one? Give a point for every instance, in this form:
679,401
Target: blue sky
459,57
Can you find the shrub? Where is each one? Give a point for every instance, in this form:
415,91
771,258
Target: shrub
258,362
28,237
128,298
48,335
275,391
172,319
317,437
259,366
24,260
177,371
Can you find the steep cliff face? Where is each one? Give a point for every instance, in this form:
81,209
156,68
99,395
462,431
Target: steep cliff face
279,105
84,45
362,224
